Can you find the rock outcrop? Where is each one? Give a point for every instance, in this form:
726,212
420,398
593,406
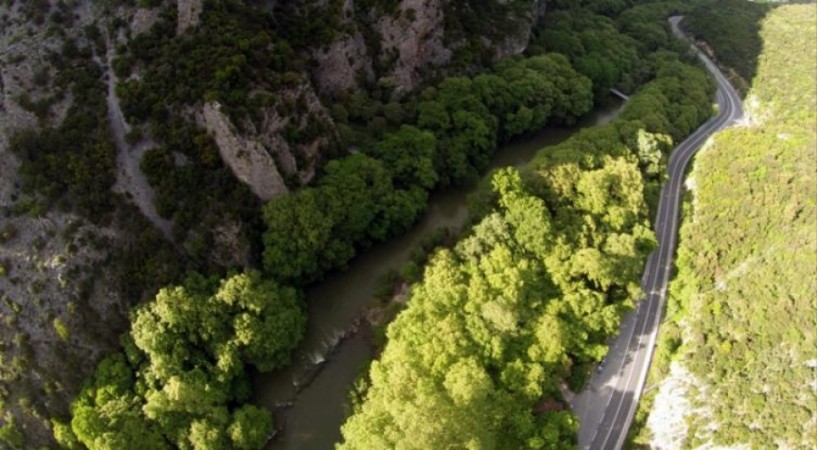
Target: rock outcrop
517,39
415,37
57,281
247,158
341,64
413,43
296,157
143,19
60,307
189,14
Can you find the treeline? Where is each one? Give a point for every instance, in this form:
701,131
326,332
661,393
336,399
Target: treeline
234,57
529,297
183,383
741,311
608,41
370,196
733,27
182,380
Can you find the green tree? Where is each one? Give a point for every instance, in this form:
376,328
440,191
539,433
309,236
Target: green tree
409,155
107,413
298,228
250,428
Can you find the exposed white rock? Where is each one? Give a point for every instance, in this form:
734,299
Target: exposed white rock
417,38
143,19
189,14
667,421
270,134
674,408
247,158
130,180
54,269
339,63
412,43
754,114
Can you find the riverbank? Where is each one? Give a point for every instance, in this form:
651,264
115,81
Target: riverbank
309,397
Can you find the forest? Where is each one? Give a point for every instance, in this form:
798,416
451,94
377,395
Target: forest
524,302
733,25
741,312
368,197
308,233
181,380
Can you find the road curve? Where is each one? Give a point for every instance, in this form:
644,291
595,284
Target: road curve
607,406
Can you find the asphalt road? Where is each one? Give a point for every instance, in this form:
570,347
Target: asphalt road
607,406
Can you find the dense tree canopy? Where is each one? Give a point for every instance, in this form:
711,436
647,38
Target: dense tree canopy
530,295
733,25
741,311
185,368
368,197
525,300
458,369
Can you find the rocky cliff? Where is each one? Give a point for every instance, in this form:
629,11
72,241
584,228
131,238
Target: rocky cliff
415,36
60,308
246,157
189,13
417,41
60,301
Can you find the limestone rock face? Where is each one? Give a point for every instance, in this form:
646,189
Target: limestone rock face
415,37
60,310
413,43
296,157
143,19
247,158
340,64
516,41
189,14
57,336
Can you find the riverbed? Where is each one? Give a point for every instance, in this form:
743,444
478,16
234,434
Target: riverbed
309,397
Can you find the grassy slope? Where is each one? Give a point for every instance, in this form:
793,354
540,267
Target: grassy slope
742,314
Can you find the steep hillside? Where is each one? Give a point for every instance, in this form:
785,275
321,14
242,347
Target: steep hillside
138,140
73,256
739,346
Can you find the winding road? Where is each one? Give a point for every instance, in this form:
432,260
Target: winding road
607,406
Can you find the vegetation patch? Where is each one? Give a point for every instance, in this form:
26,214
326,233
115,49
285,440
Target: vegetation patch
496,325
182,380
740,315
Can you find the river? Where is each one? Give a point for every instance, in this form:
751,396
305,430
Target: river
309,397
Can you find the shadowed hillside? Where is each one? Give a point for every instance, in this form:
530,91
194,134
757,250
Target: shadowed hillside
739,346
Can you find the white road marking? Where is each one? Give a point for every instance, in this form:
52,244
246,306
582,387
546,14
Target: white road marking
731,109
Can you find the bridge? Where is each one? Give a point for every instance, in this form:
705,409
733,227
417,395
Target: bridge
618,93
